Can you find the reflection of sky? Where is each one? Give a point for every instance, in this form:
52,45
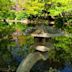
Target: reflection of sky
67,68
16,52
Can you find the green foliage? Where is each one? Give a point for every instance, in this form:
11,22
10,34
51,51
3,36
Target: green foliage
59,22
5,30
33,6
5,6
64,43
11,15
21,15
5,33
55,7
5,41
60,6
20,26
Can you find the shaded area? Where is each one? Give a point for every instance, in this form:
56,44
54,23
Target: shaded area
44,66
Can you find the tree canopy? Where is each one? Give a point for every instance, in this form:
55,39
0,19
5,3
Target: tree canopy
55,7
63,45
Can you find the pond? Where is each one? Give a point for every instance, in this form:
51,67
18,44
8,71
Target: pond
41,66
44,67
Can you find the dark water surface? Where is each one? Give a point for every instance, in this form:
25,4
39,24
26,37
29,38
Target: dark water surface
42,65
67,68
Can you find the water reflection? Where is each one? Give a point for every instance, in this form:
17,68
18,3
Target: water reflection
19,53
67,68
40,66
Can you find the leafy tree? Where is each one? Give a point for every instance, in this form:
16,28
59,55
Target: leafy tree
20,15
5,32
5,7
55,7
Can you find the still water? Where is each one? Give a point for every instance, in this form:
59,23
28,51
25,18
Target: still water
67,67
